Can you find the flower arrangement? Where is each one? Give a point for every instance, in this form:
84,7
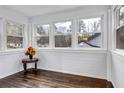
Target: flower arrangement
31,52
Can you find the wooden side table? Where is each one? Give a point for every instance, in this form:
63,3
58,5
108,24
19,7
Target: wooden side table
27,60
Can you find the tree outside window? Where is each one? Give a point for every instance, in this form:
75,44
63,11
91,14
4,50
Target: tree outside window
42,35
89,34
63,34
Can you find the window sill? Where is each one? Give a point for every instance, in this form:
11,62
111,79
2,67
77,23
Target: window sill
12,51
85,50
118,27
118,52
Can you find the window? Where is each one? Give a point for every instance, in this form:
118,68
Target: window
0,33
42,35
89,34
63,34
121,15
120,38
120,23
14,35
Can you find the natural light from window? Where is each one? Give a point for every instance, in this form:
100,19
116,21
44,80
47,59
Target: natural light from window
89,34
63,34
42,35
14,35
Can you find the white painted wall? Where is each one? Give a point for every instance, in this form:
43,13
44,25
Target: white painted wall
117,69
85,63
10,62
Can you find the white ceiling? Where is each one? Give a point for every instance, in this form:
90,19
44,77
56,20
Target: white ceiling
35,10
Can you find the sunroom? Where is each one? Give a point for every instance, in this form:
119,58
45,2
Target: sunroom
73,46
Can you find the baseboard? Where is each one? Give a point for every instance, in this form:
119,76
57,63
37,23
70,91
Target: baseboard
73,73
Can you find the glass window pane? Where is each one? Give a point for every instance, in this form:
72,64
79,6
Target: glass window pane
122,15
14,42
14,29
63,34
14,35
42,35
43,41
63,41
120,38
42,30
89,34
63,28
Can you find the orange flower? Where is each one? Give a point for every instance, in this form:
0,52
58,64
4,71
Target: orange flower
30,51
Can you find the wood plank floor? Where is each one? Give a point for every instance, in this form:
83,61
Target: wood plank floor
49,79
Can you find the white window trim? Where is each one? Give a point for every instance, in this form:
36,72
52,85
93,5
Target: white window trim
34,36
3,50
5,36
2,35
116,26
102,31
75,27
71,34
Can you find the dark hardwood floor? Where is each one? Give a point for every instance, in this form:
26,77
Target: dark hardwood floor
50,79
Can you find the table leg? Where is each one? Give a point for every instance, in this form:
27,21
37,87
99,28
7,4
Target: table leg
25,68
35,67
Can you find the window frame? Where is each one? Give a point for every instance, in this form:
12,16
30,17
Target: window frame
34,36
102,32
24,42
117,25
62,21
1,33
75,27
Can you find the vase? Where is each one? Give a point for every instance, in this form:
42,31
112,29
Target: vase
30,56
